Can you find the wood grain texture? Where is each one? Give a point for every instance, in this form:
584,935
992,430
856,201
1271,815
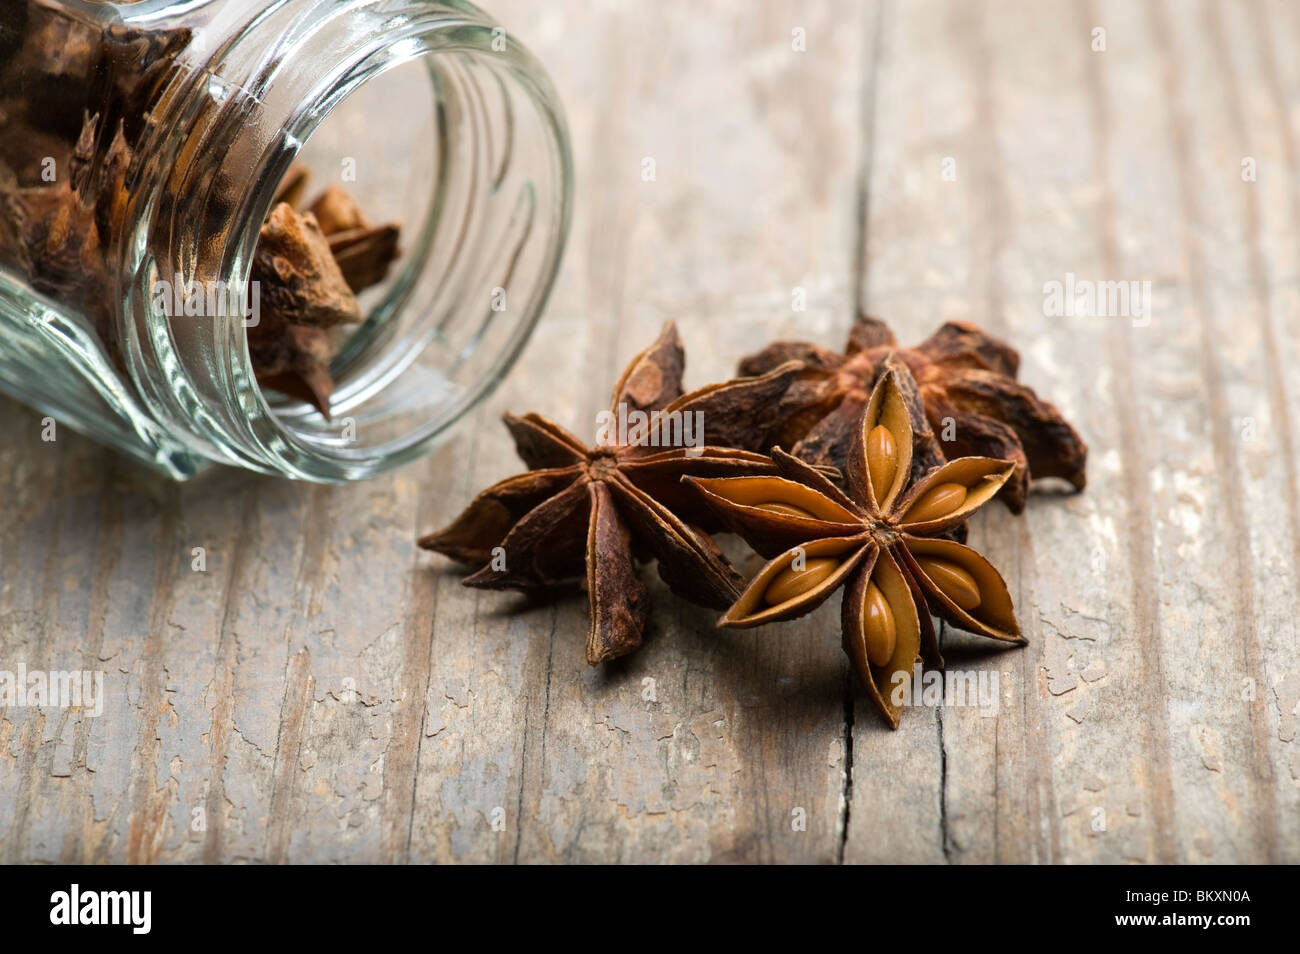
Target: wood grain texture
325,692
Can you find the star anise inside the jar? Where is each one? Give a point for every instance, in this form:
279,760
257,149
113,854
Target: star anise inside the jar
75,99
881,542
967,381
605,506
309,267
363,251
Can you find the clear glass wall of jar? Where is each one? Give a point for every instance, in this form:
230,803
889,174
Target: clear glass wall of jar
217,99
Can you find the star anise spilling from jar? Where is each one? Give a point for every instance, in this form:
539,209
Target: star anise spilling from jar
967,380
607,506
881,542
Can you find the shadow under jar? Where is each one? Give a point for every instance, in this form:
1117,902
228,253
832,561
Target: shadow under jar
142,146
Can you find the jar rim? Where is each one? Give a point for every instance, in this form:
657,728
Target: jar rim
243,426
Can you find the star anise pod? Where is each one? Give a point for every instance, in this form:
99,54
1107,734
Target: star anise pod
310,265
607,506
881,541
303,294
363,251
966,378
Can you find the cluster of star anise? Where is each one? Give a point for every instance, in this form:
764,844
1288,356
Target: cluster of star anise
866,500
78,96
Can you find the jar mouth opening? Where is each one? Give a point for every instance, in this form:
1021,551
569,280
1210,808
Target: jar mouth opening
481,183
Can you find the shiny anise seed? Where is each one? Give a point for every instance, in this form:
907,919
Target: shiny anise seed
958,585
882,460
935,503
790,582
789,510
880,631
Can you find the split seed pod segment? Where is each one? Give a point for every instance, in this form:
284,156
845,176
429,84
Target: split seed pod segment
883,542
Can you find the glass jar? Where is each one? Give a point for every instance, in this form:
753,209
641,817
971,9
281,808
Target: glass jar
432,107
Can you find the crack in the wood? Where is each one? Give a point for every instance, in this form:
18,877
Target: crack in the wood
523,782
847,795
946,842
294,712
523,755
295,705
223,720
419,740
945,835
867,94
149,742
471,458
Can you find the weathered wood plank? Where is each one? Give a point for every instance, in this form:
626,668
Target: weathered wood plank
322,691
1066,160
1264,104
1098,759
896,810
1243,379
744,733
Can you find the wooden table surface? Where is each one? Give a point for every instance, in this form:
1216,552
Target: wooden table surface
326,692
